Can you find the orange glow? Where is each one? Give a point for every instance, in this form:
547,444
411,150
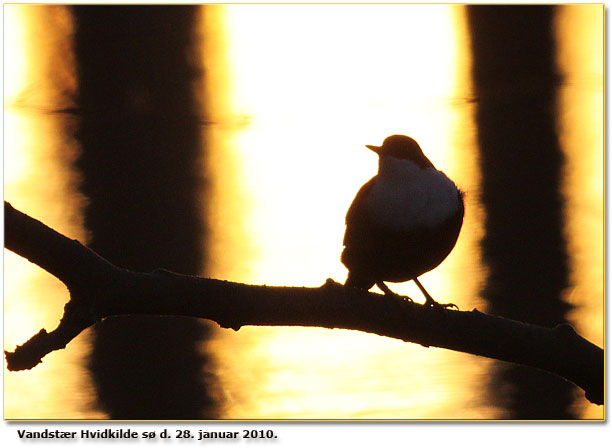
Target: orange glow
304,88
38,180
292,94
580,30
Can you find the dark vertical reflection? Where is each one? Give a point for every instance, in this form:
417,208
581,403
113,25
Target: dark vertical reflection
141,164
516,83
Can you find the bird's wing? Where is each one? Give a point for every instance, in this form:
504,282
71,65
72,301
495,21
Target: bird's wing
357,219
372,252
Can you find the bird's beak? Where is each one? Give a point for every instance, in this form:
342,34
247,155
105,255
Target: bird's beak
376,149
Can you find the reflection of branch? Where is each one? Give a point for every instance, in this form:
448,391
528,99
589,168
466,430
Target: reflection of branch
99,289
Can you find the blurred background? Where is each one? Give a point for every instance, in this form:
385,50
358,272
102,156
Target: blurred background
228,141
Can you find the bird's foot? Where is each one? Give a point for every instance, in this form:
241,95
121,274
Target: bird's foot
384,288
430,302
433,304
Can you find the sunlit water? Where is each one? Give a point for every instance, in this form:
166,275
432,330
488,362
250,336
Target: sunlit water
581,113
293,93
303,104
39,149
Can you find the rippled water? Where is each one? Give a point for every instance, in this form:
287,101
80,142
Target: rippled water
292,93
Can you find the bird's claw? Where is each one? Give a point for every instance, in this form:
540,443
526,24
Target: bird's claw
433,304
385,289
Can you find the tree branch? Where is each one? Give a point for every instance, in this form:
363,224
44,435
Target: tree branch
99,289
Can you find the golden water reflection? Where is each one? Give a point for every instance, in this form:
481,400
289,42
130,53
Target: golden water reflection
298,91
286,147
581,112
39,180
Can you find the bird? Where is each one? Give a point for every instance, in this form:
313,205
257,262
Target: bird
403,222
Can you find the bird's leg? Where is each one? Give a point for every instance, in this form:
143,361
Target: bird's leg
384,288
429,301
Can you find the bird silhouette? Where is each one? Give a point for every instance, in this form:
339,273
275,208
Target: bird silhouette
403,222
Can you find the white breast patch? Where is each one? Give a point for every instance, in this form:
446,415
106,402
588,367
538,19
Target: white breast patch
406,196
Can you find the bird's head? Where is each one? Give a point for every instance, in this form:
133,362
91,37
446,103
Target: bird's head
402,147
